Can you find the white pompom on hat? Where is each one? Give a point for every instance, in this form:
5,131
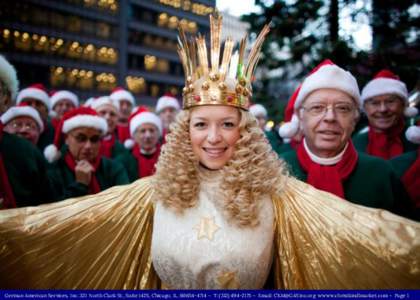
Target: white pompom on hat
22,111
35,91
118,94
386,82
75,118
166,101
326,75
413,134
58,96
8,77
258,110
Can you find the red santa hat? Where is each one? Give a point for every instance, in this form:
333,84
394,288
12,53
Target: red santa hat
8,77
75,118
118,94
57,96
22,111
35,91
167,100
386,82
139,117
326,75
258,110
98,102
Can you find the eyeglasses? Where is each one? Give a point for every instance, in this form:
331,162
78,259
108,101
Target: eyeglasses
81,138
320,109
19,125
388,102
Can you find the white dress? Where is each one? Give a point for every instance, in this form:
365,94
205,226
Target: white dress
201,250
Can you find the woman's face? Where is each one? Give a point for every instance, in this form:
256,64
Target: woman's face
214,131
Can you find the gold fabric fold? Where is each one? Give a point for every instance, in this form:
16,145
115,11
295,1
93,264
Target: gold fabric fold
100,241
324,242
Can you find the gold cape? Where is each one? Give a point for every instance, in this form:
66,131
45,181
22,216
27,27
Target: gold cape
103,241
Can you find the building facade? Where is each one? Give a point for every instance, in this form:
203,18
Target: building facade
93,46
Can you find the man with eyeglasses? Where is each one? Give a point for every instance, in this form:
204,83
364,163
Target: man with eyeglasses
326,111
23,121
385,102
78,168
23,171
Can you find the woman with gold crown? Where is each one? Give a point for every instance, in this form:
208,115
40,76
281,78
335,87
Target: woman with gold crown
221,211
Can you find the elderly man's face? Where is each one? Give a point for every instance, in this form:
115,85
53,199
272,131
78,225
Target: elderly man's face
39,106
147,137
84,143
384,111
262,120
167,116
327,119
63,106
5,101
24,127
125,110
110,114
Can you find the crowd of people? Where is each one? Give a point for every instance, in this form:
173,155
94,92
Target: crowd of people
221,203
73,149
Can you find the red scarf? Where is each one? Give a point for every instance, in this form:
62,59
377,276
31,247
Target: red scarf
145,163
6,191
54,123
123,132
386,144
93,185
411,180
328,178
107,146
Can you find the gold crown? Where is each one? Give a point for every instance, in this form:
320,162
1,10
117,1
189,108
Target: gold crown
228,83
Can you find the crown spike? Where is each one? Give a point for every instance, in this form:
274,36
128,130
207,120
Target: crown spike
240,71
227,54
184,52
255,53
202,54
215,34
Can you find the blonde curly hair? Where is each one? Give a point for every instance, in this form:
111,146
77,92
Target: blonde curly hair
253,171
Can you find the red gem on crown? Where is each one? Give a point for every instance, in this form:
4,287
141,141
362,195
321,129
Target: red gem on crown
197,98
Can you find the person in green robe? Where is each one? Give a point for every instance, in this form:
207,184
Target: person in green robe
79,169
327,110
385,102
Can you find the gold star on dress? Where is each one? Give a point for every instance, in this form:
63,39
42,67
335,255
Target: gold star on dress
227,280
206,229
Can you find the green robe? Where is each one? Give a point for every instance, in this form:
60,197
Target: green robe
120,154
360,141
108,174
26,170
372,183
274,140
47,136
403,162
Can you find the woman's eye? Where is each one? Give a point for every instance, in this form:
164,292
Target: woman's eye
199,124
228,124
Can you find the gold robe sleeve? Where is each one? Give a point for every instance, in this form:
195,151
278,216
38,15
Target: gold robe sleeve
324,242
99,241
